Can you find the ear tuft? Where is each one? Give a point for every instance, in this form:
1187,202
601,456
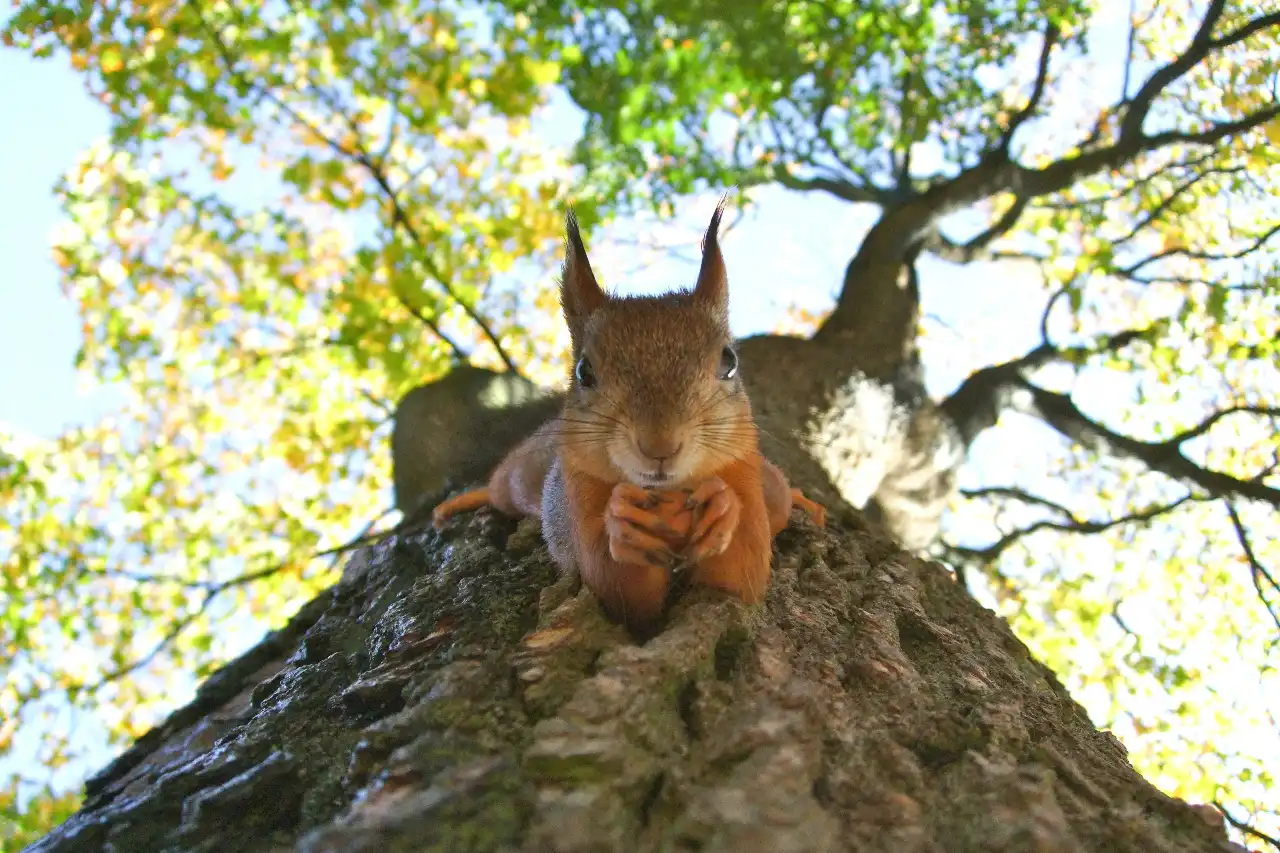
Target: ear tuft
712,289
580,294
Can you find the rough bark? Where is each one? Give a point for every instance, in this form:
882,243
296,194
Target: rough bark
453,694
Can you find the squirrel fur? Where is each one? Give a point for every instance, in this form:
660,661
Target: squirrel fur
655,405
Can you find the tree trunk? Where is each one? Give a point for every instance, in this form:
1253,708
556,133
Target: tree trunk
452,694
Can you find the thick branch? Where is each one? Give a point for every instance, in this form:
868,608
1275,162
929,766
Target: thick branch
869,282
976,405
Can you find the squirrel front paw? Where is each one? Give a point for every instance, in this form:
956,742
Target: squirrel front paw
638,534
717,509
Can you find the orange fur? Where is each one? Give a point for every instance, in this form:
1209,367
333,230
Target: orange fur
634,594
743,568
464,502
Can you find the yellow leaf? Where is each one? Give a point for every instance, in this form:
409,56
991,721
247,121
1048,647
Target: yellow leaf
112,61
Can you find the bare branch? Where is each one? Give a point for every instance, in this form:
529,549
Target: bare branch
1037,91
432,325
845,190
1257,244
1128,54
211,591
976,405
1207,424
1016,494
1263,581
1072,525
1155,213
1244,827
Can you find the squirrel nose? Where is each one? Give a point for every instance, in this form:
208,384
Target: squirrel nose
659,449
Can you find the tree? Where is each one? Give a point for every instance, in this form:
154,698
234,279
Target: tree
449,694
469,616
301,211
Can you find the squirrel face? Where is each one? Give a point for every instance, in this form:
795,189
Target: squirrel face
656,398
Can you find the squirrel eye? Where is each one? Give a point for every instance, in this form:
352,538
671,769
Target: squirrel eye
728,363
584,374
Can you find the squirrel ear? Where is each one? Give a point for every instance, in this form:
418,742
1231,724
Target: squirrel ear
713,281
579,292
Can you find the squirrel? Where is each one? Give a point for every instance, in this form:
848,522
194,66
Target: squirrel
655,409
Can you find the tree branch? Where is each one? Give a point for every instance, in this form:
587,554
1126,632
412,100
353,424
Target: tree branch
844,190
1017,494
1258,243
1061,413
1201,44
398,215
1263,581
1072,525
974,249
976,405
1156,212
879,258
1245,828
1037,92
1207,424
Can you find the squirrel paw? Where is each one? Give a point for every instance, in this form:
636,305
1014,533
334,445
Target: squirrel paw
816,511
718,510
638,536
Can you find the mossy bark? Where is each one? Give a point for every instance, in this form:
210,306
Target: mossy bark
454,694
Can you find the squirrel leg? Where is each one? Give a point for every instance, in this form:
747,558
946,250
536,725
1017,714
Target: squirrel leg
626,562
816,511
464,502
741,566
780,497
577,511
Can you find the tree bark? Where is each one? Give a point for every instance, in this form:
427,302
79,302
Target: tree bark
452,693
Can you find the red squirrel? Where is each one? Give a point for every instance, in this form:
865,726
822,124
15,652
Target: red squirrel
655,408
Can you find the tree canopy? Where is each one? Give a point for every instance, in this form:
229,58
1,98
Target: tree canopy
304,211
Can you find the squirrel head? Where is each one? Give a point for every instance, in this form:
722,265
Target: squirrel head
655,397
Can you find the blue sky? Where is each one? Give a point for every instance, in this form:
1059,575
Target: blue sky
47,121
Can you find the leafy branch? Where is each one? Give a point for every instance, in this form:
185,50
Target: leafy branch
374,166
